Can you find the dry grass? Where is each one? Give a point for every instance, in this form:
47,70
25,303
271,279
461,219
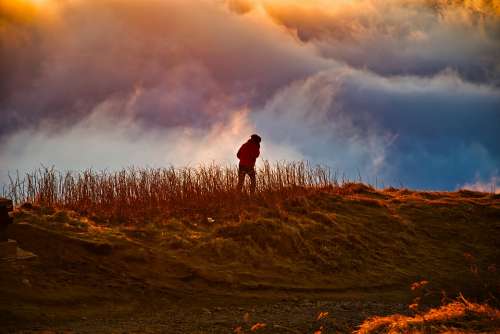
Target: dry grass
135,192
457,317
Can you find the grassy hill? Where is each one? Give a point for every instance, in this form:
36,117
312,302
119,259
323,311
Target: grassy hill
345,243
354,238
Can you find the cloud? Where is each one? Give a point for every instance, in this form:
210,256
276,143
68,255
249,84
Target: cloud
191,60
402,37
240,6
309,115
406,91
488,186
423,132
103,142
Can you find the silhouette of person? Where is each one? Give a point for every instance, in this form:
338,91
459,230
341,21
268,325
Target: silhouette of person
248,154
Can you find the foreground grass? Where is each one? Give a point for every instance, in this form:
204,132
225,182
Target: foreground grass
456,317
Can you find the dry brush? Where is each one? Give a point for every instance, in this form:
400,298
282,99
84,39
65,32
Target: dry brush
137,191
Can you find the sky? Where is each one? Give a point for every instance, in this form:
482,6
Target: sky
405,92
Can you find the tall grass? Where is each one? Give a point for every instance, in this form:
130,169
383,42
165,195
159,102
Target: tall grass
133,191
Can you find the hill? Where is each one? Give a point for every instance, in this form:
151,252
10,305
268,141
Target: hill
304,253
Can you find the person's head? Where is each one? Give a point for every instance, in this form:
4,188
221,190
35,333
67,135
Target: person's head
255,138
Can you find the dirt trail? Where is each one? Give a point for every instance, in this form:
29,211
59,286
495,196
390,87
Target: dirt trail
39,297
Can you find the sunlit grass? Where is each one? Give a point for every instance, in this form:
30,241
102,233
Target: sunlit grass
138,191
456,317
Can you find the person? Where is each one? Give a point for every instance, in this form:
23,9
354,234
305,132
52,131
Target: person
248,154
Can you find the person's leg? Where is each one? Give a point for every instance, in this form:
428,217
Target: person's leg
253,181
241,179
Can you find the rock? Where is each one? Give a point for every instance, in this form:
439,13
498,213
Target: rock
26,282
6,207
8,249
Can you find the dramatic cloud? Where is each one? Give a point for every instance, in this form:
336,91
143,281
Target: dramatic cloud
403,91
107,143
191,61
490,186
423,132
405,37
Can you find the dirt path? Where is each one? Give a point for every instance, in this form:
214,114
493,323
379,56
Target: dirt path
37,298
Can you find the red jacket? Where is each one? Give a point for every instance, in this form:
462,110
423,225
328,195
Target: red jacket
248,153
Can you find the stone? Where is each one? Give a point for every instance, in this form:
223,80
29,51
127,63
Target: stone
26,282
8,249
25,255
5,219
7,203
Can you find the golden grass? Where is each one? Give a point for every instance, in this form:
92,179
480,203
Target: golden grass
136,192
460,316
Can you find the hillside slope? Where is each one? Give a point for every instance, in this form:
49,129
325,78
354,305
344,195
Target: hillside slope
362,239
351,244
